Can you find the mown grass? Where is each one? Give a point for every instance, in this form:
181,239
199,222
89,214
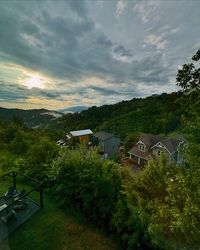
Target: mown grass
53,228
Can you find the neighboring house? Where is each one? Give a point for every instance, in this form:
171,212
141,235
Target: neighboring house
82,135
151,146
108,143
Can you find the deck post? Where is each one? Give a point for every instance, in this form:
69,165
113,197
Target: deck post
41,197
14,179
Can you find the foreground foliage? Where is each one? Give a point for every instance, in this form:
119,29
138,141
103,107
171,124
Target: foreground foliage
157,209
168,197
83,180
26,150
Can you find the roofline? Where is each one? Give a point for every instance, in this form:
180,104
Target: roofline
140,141
163,147
111,135
84,131
137,156
103,139
181,142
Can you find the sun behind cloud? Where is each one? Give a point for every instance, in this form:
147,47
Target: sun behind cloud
34,81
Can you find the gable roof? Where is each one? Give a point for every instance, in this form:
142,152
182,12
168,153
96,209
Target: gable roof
141,154
81,132
150,140
172,143
103,135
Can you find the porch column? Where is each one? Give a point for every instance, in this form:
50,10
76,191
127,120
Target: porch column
138,160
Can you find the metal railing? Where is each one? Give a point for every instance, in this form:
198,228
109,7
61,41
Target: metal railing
38,188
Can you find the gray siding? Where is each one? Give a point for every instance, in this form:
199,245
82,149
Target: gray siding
110,146
164,151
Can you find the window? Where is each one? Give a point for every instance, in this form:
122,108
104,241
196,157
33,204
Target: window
141,148
159,152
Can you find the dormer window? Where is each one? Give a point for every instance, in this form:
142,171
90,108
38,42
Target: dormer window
141,148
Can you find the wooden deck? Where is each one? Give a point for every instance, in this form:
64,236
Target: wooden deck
132,165
22,215
16,209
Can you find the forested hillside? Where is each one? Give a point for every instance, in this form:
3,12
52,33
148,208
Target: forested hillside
154,114
41,118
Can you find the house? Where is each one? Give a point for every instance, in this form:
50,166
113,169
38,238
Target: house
151,146
108,143
82,135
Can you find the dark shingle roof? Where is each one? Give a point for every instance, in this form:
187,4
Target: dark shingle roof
149,139
171,143
103,135
144,155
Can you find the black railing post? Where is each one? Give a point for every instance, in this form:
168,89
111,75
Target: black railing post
14,174
41,197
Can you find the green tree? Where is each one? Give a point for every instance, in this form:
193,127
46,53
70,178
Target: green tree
38,157
97,187
188,77
130,141
168,198
85,180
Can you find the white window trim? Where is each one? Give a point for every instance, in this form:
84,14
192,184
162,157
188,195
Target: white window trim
160,145
142,148
141,142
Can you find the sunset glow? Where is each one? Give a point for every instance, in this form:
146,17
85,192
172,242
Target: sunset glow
35,81
93,52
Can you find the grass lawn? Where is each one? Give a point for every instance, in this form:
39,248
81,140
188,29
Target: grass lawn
53,228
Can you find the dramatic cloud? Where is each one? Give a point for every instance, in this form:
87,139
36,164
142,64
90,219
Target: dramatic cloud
156,41
147,10
121,5
69,53
122,54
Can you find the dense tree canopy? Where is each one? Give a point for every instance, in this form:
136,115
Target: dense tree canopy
189,76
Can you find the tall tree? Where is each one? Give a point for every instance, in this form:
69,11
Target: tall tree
189,76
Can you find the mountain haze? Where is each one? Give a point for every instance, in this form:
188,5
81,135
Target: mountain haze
155,114
31,117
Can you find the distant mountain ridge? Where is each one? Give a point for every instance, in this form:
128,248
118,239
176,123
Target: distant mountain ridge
156,114
31,117
73,109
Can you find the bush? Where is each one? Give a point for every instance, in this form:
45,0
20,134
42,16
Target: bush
98,183
97,187
39,156
168,198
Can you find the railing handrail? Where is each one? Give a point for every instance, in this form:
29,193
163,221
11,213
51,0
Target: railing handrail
17,173
37,188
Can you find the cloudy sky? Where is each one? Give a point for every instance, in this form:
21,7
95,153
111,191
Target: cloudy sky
56,54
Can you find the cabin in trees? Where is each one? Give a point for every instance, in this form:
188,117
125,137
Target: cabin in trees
151,146
108,143
83,136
